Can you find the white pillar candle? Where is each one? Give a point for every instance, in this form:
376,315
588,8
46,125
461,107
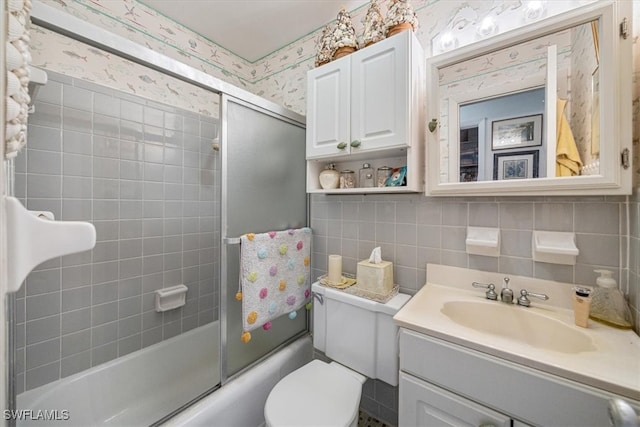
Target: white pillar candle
335,268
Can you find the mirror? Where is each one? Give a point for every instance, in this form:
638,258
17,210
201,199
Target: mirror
524,113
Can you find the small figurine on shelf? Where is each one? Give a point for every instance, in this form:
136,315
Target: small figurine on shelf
400,17
343,39
323,48
374,29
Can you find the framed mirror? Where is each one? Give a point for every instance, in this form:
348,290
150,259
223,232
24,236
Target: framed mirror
541,110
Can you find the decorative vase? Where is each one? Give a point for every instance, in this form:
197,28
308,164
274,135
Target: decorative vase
374,29
343,39
330,177
400,17
343,51
398,28
323,49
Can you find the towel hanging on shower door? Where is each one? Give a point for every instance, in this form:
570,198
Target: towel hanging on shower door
275,276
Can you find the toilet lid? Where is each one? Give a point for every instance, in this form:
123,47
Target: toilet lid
317,394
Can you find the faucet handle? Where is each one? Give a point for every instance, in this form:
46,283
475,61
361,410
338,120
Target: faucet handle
524,301
491,292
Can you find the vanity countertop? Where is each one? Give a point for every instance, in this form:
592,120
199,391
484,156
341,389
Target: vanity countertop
614,366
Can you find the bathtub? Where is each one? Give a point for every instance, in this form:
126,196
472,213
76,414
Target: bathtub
134,390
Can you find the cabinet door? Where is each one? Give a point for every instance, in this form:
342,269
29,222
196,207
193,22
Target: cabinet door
328,109
423,404
380,94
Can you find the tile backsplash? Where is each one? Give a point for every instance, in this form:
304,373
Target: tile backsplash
413,230
145,175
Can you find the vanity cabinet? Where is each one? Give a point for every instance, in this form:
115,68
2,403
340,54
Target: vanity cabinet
368,107
424,404
450,384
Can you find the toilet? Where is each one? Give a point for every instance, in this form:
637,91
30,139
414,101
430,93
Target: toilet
360,337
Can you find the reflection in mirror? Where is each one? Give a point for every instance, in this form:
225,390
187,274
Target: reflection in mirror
485,133
498,110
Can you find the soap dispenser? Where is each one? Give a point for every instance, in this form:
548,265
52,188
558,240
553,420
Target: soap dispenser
608,305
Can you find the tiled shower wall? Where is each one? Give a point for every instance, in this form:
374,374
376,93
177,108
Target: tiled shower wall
146,176
414,230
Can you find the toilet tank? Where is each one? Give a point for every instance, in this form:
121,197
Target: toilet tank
357,332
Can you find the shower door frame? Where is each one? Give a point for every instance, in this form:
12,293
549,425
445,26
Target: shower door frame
225,99
65,24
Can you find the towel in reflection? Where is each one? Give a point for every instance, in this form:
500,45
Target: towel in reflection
568,161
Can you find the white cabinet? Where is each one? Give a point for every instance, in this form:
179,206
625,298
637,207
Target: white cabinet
368,106
442,376
423,404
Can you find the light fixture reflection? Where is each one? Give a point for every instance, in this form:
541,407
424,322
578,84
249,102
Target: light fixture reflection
448,41
488,27
534,10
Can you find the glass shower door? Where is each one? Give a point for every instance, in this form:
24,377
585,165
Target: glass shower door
263,189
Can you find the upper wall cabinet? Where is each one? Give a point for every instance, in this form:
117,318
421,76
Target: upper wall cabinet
541,110
368,107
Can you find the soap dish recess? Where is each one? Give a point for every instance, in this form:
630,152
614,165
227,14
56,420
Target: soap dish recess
170,298
483,241
554,247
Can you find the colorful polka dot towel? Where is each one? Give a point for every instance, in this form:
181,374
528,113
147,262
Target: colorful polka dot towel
275,275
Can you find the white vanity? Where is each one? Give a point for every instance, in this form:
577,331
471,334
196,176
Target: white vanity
460,364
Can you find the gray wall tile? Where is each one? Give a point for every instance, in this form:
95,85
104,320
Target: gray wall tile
75,363
42,375
76,342
42,353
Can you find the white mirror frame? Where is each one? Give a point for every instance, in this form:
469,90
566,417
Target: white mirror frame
615,111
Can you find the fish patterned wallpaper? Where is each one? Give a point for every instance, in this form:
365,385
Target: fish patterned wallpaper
59,53
281,75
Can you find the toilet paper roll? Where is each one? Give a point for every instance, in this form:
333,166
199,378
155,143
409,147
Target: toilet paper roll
335,269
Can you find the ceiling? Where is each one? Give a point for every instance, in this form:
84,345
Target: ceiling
252,29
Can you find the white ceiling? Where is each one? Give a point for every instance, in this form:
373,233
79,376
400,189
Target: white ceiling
252,28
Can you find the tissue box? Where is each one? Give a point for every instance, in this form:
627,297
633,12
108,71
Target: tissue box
377,278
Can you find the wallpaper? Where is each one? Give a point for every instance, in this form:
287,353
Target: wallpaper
281,75
56,52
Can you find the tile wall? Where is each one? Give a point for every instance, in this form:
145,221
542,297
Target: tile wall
414,230
145,175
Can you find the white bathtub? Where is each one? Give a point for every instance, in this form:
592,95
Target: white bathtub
137,389
240,402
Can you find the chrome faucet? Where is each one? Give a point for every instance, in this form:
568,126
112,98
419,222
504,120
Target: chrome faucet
523,299
491,290
506,294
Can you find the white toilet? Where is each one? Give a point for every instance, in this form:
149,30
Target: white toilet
359,335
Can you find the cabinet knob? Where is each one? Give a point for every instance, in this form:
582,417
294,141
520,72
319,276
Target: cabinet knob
342,146
433,124
355,144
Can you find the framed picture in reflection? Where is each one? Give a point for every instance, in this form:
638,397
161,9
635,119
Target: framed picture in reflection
515,165
516,132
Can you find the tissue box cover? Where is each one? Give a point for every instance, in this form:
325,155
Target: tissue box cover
376,278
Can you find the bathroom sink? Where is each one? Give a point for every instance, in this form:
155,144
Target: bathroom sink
519,324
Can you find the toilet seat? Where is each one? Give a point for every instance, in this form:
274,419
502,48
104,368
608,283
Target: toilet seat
316,394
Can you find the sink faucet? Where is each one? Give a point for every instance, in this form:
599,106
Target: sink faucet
506,294
523,299
491,292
